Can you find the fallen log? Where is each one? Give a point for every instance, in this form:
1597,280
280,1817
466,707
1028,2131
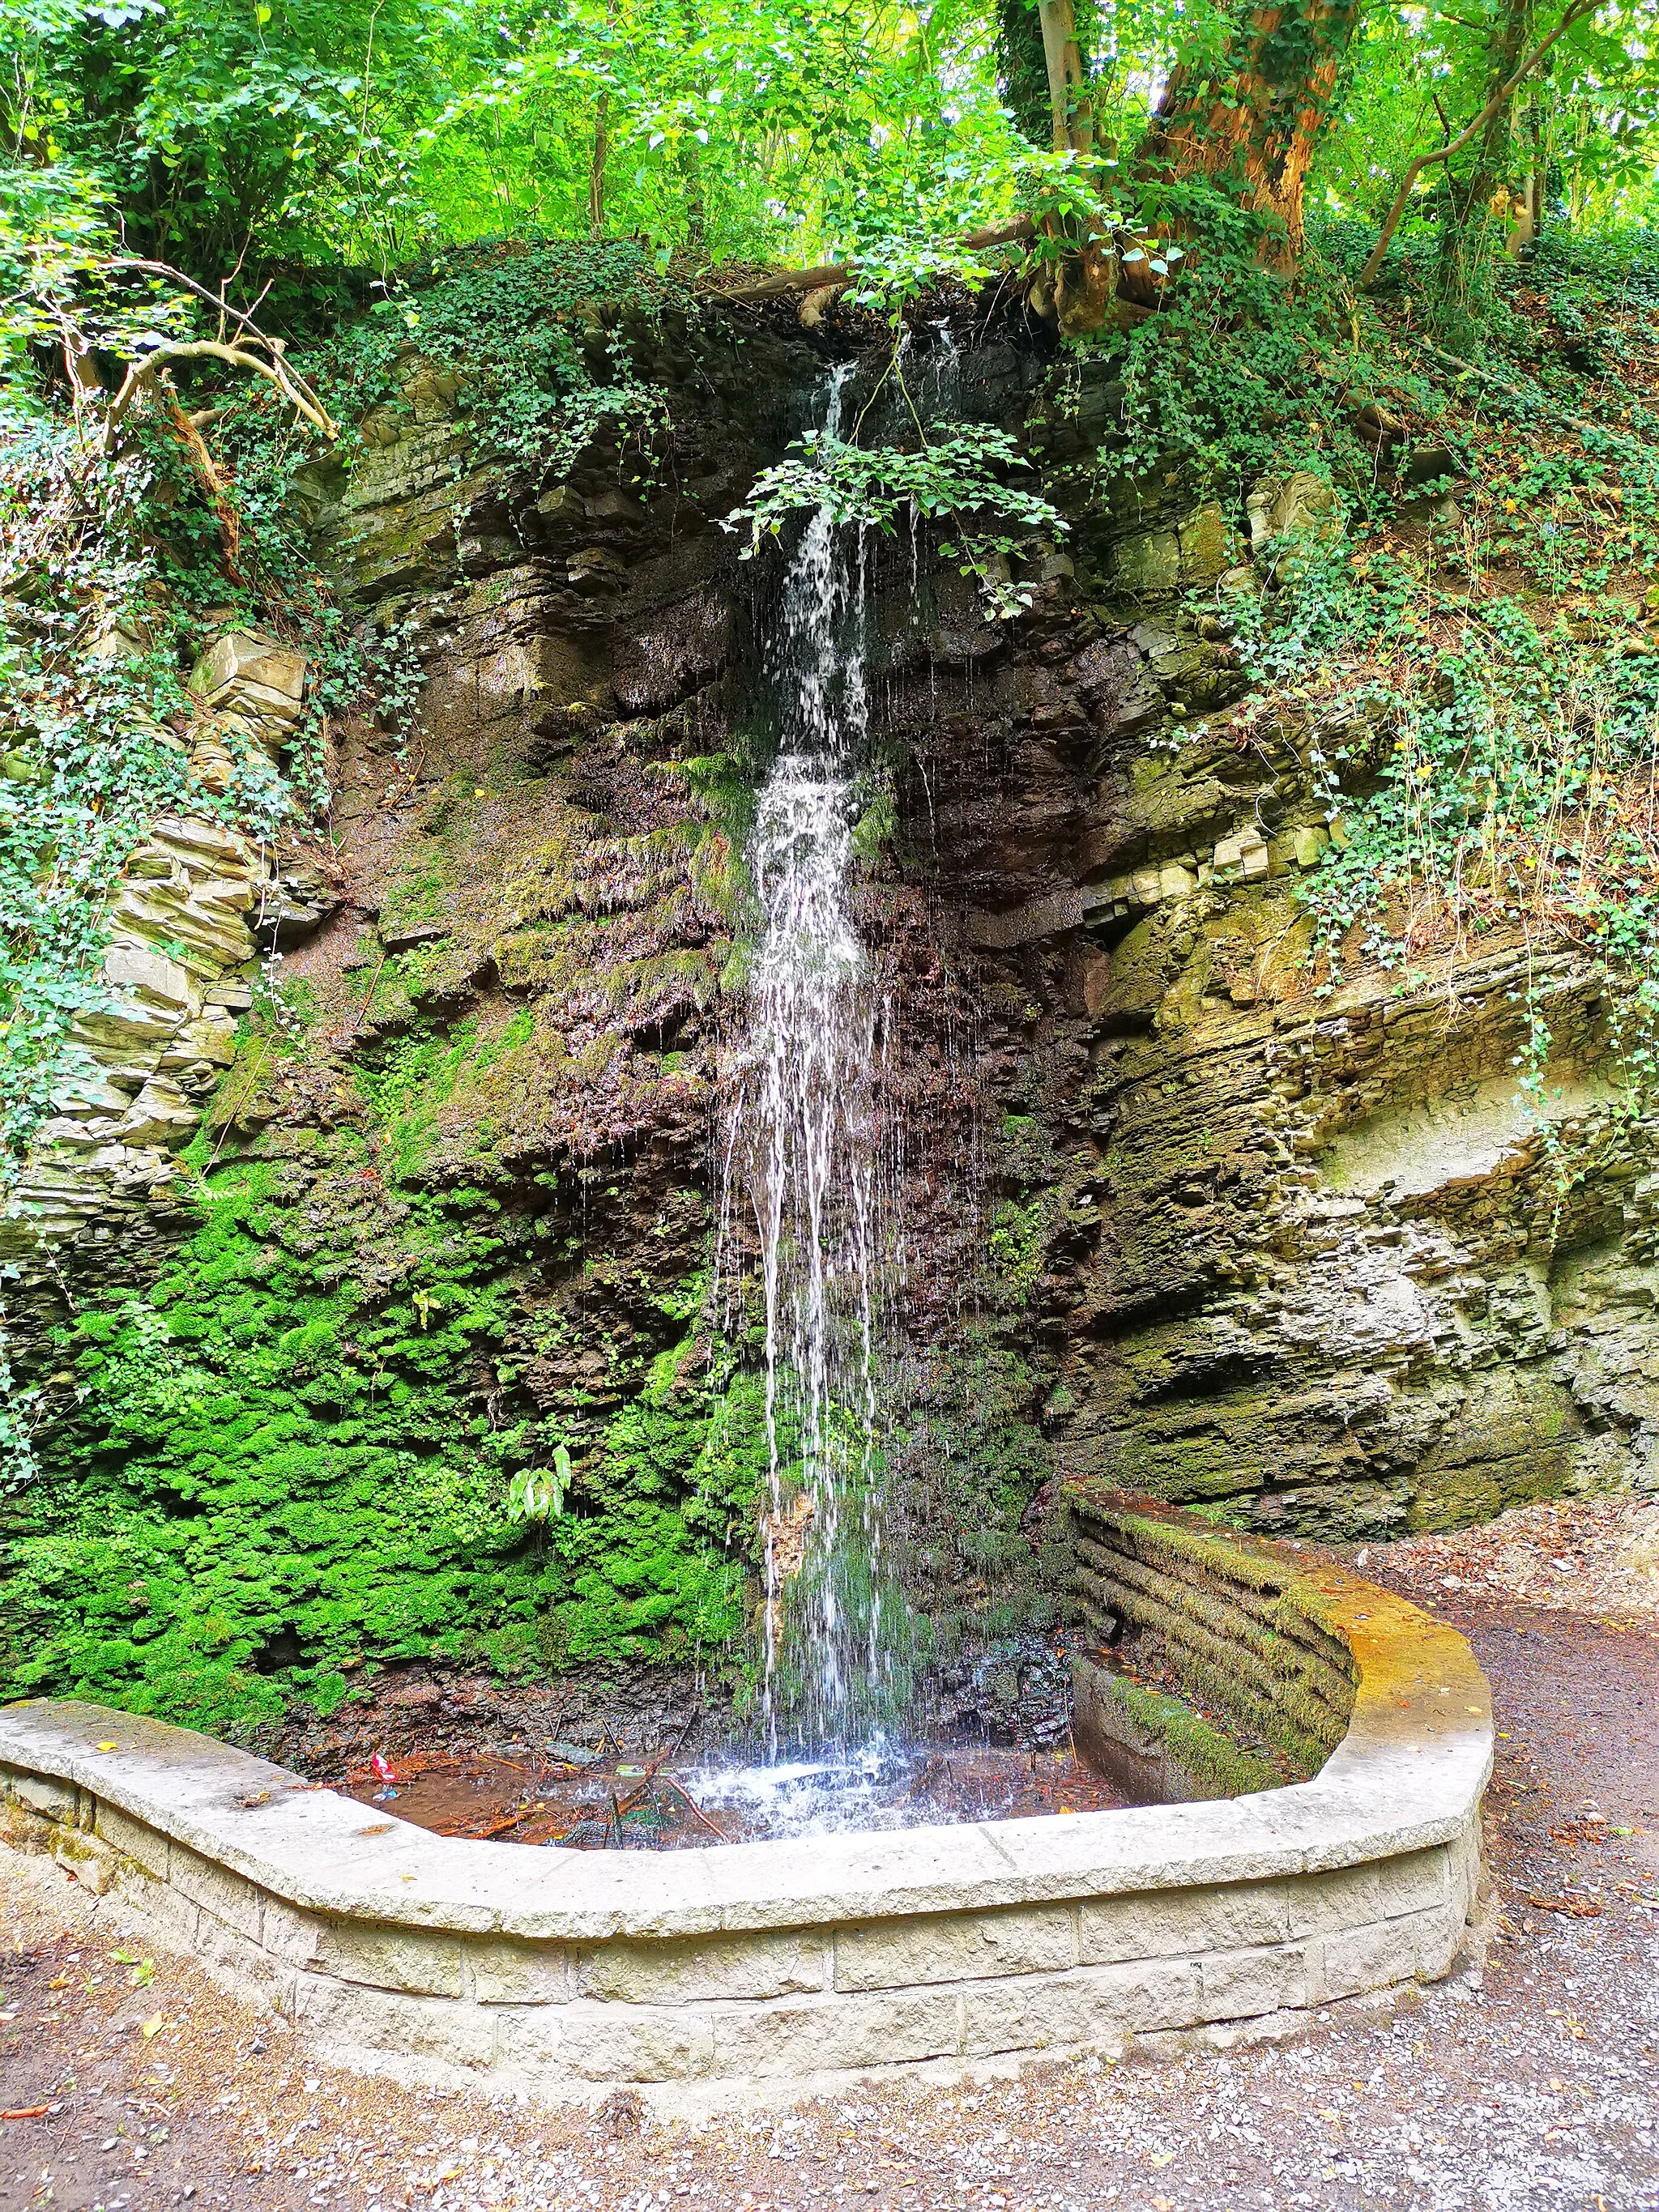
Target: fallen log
835,275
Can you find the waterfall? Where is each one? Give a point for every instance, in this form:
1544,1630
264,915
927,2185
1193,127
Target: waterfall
803,1150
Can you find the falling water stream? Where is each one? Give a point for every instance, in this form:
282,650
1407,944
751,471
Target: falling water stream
803,1151
811,1156
811,1169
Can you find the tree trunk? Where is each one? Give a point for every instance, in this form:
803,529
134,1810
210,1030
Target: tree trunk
696,211
1023,69
1471,207
1249,123
1070,115
596,167
1041,71
1527,204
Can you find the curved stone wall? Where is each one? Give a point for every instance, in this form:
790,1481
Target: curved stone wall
706,1975
1247,1630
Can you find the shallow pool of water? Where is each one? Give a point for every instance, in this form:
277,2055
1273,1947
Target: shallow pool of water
624,1805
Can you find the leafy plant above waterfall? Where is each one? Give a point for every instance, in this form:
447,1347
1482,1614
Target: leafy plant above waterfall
954,477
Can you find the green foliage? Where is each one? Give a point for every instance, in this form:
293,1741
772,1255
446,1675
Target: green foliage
1461,653
658,1559
214,123
537,1493
1219,384
100,622
533,333
59,230
109,557
90,657
952,477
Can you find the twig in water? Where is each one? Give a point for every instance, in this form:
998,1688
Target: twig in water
697,1811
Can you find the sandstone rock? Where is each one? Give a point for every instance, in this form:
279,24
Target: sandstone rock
596,571
160,1116
613,505
126,1025
88,1094
1209,545
431,393
1115,683
1241,858
1147,563
403,937
112,641
65,1133
306,893
249,671
562,504
205,1039
1301,504
203,847
1431,463
151,975
1026,925
1176,882
209,932
214,766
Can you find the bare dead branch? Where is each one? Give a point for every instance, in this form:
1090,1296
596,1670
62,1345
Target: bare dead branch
274,370
293,387
206,472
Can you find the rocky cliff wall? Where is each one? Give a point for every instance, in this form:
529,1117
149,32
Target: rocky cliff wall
1306,1254
1170,1214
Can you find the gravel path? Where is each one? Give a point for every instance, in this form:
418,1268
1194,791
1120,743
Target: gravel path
1531,2083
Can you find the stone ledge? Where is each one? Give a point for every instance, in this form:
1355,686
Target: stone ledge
700,1972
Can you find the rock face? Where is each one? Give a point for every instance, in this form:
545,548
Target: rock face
1307,1258
1172,1218
147,1053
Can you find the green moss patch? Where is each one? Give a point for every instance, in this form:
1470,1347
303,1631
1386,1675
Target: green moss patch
289,1461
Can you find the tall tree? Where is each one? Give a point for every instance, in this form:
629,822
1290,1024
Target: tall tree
1044,76
1249,120
1470,199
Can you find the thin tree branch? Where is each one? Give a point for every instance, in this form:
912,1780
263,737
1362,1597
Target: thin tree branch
188,432
1575,12
275,371
177,277
1582,423
293,387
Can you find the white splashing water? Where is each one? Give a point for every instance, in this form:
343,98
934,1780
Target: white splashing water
803,1146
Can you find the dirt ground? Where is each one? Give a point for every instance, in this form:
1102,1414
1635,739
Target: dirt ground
1529,2080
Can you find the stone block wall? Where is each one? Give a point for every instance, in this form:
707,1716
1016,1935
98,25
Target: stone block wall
1243,1629
761,1969
826,1999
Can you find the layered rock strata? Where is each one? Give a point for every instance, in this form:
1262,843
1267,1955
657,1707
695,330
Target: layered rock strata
154,1039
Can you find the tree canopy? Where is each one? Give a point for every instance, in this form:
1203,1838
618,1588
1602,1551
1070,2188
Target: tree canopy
223,135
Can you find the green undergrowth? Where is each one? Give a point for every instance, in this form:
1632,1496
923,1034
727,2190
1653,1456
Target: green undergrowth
1453,640
289,1463
537,337
119,567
